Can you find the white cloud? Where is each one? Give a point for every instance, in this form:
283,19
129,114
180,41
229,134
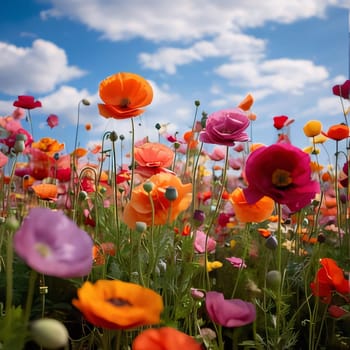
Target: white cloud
179,20
36,69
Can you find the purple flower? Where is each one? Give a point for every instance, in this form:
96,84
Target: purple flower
50,243
237,262
229,312
225,127
281,172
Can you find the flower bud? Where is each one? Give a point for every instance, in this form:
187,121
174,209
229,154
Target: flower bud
271,242
85,102
140,226
148,186
113,136
19,146
21,137
197,103
158,126
171,193
49,333
12,223
273,279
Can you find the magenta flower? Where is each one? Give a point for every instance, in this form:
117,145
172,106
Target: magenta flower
342,90
52,120
26,102
229,312
237,262
200,241
225,127
281,172
50,243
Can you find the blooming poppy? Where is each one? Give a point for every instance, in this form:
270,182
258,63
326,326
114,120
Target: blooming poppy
140,208
48,145
229,312
236,262
114,304
282,172
225,127
26,102
153,154
101,251
213,265
342,90
189,138
164,338
279,121
50,243
259,211
337,132
329,278
312,128
52,120
46,191
124,95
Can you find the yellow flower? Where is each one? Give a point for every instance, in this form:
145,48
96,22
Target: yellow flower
320,138
213,265
312,128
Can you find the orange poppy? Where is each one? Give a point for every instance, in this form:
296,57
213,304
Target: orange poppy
165,338
338,132
45,191
124,95
79,152
257,212
312,128
114,304
100,251
140,207
48,145
190,140
246,103
153,154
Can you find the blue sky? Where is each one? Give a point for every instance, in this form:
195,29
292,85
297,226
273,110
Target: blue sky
287,54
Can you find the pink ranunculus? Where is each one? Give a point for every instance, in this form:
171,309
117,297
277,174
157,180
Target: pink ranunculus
52,120
229,312
225,127
281,172
237,262
200,240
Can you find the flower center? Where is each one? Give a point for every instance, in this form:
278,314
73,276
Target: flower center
281,178
124,102
119,302
43,249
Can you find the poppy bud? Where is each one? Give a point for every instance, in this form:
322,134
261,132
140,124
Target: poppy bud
271,242
121,137
273,279
12,223
148,186
158,126
171,193
19,146
49,333
140,226
56,156
197,103
85,102
113,136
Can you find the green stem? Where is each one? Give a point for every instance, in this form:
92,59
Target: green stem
30,294
9,273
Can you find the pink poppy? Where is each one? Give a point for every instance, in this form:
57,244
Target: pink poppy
225,127
237,262
52,120
229,312
217,154
281,172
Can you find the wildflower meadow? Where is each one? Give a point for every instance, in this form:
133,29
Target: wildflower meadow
202,240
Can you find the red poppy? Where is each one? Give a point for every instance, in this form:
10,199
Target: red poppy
337,132
279,121
342,90
26,102
52,120
329,278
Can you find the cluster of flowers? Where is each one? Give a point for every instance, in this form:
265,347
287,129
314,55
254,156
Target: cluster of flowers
195,252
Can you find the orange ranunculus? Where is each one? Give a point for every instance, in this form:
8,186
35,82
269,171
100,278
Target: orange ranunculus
45,191
257,212
139,208
153,154
164,338
115,304
338,132
312,128
48,145
124,95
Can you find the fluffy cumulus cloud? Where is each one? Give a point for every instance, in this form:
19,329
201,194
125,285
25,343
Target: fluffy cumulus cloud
44,63
181,20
